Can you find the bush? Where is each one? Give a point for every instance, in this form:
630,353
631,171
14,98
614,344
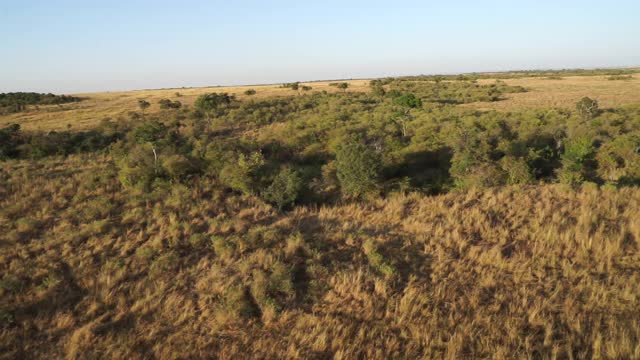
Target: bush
285,189
358,169
9,140
168,104
292,86
482,175
18,101
619,159
137,168
408,101
178,167
250,92
620,77
587,108
377,88
577,161
243,174
517,170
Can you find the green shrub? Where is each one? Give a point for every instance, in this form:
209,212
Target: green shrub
243,175
481,175
137,169
408,101
619,159
587,108
178,167
168,104
285,189
517,170
577,161
358,169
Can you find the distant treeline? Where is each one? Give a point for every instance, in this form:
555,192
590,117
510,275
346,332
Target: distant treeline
15,143
17,101
524,74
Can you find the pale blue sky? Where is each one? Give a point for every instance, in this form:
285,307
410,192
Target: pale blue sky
80,46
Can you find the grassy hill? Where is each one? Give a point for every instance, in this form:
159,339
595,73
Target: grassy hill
402,218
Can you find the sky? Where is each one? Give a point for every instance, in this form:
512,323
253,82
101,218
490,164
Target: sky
86,46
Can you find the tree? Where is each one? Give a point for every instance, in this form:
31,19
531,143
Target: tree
151,133
250,92
587,108
343,86
168,104
285,189
243,174
143,105
377,88
577,161
406,102
619,159
358,168
208,104
9,140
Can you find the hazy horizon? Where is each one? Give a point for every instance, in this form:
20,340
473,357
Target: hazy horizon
75,47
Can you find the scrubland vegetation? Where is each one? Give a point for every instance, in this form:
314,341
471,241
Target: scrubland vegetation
396,222
16,102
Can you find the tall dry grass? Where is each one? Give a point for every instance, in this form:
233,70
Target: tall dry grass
91,271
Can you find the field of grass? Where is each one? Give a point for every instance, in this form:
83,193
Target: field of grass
566,93
97,106
391,221
542,93
530,272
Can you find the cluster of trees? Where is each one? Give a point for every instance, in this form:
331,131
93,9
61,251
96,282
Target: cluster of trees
18,101
524,74
18,144
297,87
168,104
458,92
340,85
403,135
340,157
620,77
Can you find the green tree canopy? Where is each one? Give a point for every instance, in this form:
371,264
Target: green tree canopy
359,168
208,104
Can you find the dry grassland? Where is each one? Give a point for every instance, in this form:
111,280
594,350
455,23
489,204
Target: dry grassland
542,93
565,93
517,272
97,106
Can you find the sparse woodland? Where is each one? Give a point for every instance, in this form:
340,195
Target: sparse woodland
387,224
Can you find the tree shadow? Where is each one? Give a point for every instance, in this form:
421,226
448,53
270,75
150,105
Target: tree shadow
428,170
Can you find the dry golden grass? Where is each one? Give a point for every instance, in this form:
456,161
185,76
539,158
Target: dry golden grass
97,106
542,93
534,272
89,269
566,93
